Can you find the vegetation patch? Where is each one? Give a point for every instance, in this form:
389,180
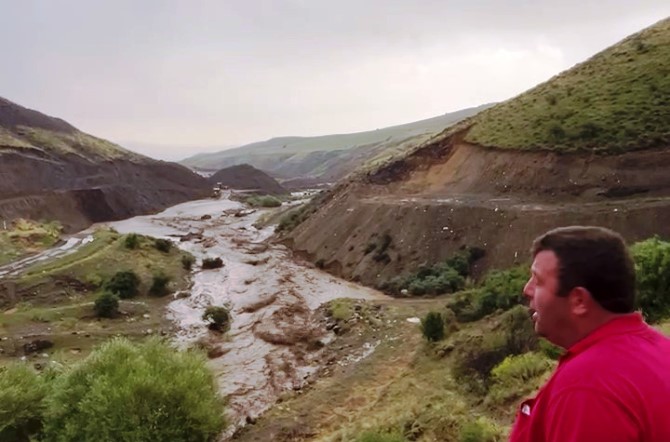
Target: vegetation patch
121,391
263,201
24,237
217,318
445,277
617,101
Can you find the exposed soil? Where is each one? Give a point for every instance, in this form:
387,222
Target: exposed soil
82,186
78,192
451,194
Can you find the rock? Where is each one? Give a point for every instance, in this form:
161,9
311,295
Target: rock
215,352
205,217
146,316
37,345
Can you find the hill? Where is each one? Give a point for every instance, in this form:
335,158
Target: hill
246,177
51,170
617,101
328,158
494,182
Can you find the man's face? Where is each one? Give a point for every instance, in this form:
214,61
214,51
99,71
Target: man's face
550,312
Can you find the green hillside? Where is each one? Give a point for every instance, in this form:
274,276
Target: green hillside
618,100
316,156
29,130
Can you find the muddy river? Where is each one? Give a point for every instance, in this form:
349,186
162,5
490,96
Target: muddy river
274,342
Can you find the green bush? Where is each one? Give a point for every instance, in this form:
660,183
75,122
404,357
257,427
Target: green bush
22,394
550,350
263,201
159,285
212,263
106,305
380,436
444,277
480,430
187,261
131,241
500,290
125,284
139,393
432,326
163,245
218,318
292,218
652,266
516,376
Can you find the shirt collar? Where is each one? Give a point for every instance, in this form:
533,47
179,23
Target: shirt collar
625,324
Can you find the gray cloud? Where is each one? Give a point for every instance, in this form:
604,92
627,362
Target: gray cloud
180,75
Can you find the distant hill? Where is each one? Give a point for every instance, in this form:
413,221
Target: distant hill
51,170
329,157
246,177
617,101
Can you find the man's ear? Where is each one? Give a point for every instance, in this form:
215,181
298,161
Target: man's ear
581,301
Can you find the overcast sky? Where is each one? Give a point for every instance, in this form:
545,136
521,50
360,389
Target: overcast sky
174,78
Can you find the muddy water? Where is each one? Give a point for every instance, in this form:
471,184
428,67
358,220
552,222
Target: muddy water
273,343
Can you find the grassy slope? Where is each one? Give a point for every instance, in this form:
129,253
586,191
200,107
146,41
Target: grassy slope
290,146
618,100
26,237
405,387
60,143
59,310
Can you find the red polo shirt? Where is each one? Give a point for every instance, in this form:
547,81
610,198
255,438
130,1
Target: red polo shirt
612,386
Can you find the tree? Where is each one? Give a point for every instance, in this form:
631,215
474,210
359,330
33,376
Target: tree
139,393
107,305
432,326
125,284
22,393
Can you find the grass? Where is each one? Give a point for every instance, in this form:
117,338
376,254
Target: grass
619,100
65,315
263,201
24,237
78,143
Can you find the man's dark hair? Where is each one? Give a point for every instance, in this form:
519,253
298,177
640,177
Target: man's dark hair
596,259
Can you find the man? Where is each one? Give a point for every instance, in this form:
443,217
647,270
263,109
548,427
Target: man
613,383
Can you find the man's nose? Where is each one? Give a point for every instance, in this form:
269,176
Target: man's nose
528,289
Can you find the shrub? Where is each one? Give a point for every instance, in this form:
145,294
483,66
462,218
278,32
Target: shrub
212,263
475,357
263,201
432,326
131,241
125,284
22,394
293,217
380,436
480,430
126,392
163,245
218,318
159,285
550,350
499,290
106,305
187,262
514,376
652,267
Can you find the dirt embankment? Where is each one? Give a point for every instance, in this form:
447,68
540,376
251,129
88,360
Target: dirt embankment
452,194
79,192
